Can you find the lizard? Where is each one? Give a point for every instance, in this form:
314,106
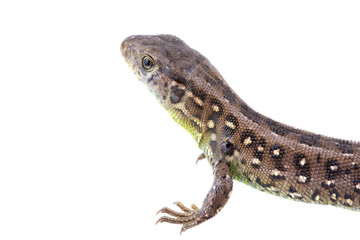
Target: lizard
238,142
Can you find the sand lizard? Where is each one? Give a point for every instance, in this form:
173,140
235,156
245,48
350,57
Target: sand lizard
238,142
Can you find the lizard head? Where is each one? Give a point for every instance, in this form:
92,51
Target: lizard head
176,74
163,63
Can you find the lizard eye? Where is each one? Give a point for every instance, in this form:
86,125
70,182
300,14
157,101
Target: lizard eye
147,63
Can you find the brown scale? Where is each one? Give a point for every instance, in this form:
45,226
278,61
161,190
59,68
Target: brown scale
240,143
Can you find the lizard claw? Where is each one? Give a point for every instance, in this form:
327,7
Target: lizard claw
201,157
188,217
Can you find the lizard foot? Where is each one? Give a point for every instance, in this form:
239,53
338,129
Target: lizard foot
188,217
214,201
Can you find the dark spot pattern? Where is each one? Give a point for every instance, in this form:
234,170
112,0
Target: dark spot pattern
356,184
277,148
278,177
277,157
347,198
303,167
191,105
200,94
262,142
298,157
177,95
262,184
228,131
315,195
218,104
255,165
248,134
214,116
180,80
293,193
257,153
211,81
334,195
219,80
318,158
332,169
292,189
327,185
231,118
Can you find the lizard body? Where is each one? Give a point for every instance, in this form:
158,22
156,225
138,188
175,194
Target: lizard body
238,142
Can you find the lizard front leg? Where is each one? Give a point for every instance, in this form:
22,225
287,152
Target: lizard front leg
214,201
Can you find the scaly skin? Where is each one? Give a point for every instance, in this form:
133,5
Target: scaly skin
238,142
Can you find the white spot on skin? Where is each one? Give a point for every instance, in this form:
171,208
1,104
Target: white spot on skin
211,124
349,201
215,108
295,194
302,179
275,172
357,186
247,141
302,162
333,168
333,196
198,101
219,209
256,161
230,125
260,148
213,137
276,152
330,182
317,198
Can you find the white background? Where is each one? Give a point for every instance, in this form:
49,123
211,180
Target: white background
87,153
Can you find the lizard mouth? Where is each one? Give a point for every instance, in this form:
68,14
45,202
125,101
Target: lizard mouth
127,51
